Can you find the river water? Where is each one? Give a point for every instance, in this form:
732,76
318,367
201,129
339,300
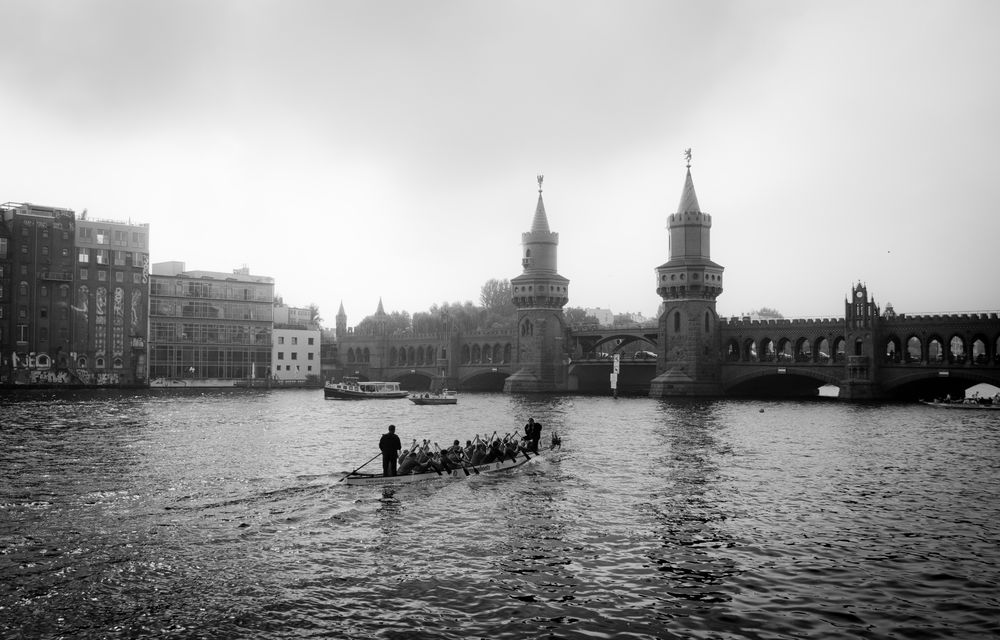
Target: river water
219,515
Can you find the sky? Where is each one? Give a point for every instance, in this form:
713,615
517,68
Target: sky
388,150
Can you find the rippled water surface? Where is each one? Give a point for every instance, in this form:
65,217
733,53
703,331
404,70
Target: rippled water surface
220,515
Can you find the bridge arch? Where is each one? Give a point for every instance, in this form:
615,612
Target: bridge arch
732,350
803,350
935,349
892,349
956,349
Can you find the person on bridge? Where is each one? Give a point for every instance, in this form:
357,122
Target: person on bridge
390,445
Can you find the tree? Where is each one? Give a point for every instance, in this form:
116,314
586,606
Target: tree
767,313
495,295
314,317
576,315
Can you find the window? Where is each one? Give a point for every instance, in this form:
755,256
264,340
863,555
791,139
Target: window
102,275
119,256
281,339
102,256
83,274
43,312
295,356
3,247
295,340
22,289
311,341
43,291
136,278
309,368
281,355
119,276
310,355
45,250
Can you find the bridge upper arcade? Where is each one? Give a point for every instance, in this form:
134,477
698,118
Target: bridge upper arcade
596,342
943,352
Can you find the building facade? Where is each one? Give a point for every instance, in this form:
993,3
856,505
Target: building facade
110,305
36,283
209,328
295,357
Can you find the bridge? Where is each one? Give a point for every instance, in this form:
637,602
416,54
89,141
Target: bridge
867,354
906,356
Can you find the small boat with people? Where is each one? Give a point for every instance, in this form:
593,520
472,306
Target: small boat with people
445,397
353,389
484,455
974,404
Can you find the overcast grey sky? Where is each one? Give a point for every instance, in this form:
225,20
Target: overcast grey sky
388,149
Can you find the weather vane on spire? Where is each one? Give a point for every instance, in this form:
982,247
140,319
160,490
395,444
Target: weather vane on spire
540,178
687,156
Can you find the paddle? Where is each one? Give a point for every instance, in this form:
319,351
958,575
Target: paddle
361,467
466,458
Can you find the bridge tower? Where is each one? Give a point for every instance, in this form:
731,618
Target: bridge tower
689,362
539,295
863,320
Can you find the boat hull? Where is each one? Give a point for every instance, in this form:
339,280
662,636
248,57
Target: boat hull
962,405
454,474
434,400
345,394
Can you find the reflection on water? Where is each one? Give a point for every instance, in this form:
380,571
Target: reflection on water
221,514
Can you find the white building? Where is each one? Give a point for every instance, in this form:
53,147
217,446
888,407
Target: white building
295,359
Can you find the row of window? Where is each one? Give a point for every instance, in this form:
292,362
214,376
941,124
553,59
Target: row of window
102,276
295,340
214,290
107,236
295,356
108,256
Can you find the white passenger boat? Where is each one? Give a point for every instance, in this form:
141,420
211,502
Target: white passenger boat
353,389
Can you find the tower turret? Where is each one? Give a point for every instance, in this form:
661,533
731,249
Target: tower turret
539,295
688,284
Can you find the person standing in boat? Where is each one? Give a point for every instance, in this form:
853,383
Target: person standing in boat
390,445
532,433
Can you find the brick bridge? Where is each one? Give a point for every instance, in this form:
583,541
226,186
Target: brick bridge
690,351
866,353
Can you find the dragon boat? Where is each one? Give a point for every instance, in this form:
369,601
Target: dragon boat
454,472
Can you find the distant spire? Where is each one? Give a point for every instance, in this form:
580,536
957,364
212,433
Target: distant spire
341,312
689,199
540,224
381,310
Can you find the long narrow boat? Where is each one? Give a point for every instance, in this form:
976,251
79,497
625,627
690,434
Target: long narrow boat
463,471
962,405
352,389
445,397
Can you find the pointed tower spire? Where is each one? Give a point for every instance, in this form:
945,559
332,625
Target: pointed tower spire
381,310
341,312
689,199
540,224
